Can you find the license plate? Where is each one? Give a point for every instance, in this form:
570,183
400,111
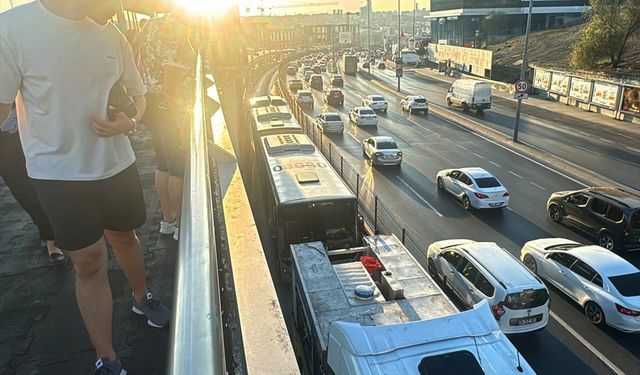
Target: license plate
525,321
495,204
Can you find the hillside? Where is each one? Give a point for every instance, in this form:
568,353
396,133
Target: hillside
552,48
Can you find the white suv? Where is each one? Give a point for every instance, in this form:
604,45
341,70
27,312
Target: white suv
375,102
414,103
477,271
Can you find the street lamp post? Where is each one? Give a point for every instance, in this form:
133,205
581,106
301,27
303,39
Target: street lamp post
415,9
369,37
398,49
523,70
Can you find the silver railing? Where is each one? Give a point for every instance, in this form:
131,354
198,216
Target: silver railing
197,345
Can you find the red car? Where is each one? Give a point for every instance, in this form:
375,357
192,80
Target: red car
334,96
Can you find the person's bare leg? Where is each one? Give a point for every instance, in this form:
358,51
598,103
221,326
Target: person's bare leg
175,191
128,252
93,295
52,248
162,189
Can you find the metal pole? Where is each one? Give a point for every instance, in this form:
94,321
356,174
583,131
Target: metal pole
523,70
398,49
415,9
375,215
369,37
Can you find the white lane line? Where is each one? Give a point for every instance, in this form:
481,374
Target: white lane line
606,140
496,164
422,127
515,174
462,147
419,196
615,369
633,149
538,186
510,209
584,133
478,155
582,148
622,135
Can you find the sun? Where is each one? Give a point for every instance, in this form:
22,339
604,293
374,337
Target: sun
207,8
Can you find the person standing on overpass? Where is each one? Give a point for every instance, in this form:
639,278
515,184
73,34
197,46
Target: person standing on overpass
62,66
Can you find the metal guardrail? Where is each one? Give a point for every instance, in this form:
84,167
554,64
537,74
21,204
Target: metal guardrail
197,345
378,217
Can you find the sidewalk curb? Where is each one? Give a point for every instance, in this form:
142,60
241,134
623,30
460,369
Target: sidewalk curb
568,169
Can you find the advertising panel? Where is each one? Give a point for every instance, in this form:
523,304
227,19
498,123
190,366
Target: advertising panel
631,100
541,79
559,83
478,60
344,37
580,89
605,94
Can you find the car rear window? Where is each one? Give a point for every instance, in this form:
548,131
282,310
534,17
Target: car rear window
487,182
387,145
420,100
304,94
628,285
332,118
527,299
377,98
367,112
296,81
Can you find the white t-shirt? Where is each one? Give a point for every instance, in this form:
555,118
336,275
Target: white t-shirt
63,71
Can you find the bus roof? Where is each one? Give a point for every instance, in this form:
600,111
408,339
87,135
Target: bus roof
298,173
273,120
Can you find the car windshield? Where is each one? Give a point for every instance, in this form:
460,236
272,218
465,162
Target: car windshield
377,98
628,285
278,102
261,103
487,182
332,118
527,299
563,246
367,112
337,78
387,145
304,94
420,100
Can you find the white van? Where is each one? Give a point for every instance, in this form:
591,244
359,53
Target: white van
470,94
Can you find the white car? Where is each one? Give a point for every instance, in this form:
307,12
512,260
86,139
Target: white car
474,187
304,98
414,103
382,150
330,122
375,102
363,116
476,271
604,284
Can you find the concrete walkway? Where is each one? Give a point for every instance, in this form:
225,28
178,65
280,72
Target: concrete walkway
41,331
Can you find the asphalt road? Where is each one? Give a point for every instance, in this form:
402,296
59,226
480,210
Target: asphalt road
431,143
612,153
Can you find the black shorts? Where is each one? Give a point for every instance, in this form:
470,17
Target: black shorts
80,211
170,153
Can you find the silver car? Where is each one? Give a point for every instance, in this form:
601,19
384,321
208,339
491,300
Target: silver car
330,122
304,98
604,284
382,151
474,187
414,103
363,116
375,102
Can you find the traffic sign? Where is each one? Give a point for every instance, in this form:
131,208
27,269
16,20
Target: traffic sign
522,85
399,71
520,95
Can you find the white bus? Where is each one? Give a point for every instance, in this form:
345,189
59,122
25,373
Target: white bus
409,56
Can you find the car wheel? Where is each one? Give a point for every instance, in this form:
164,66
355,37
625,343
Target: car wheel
465,107
364,153
431,268
594,313
426,112
530,263
466,203
607,241
449,102
555,214
440,184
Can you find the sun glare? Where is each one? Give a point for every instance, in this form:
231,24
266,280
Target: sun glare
207,8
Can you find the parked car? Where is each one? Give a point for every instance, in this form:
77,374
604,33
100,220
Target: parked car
476,271
470,94
375,102
605,285
334,96
382,150
337,81
474,187
414,103
363,116
610,215
315,82
304,98
382,66
295,85
330,122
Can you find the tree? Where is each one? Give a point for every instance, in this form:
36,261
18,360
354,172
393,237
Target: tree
610,25
494,23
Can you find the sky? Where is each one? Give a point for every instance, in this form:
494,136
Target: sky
346,5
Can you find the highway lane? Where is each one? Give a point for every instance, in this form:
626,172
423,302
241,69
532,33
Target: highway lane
432,143
613,153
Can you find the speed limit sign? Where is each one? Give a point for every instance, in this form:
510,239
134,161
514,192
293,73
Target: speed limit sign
522,85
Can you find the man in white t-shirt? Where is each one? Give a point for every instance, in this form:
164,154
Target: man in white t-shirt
61,66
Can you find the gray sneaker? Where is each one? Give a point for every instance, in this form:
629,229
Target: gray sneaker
157,314
107,367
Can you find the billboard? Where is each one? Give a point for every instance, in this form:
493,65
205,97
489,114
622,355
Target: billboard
580,89
631,100
477,61
559,83
541,79
605,94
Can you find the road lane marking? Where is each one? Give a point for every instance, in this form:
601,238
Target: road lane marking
478,155
496,164
615,369
606,140
633,149
622,135
462,147
422,127
584,133
538,186
419,196
515,174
